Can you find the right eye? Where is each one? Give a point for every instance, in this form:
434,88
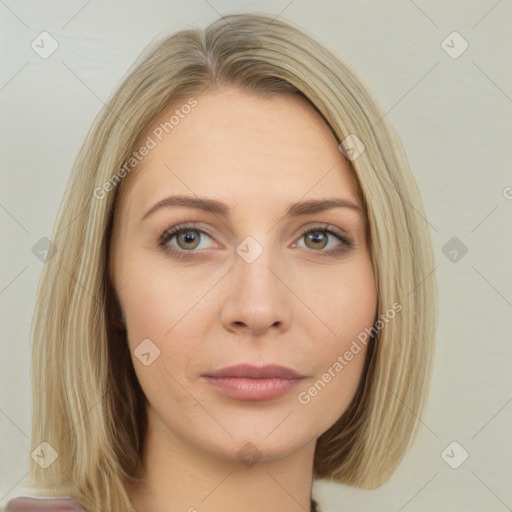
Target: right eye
182,239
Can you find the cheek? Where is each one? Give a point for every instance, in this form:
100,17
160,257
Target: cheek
348,306
328,395
344,300
157,295
162,307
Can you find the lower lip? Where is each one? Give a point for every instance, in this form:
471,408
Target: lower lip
253,389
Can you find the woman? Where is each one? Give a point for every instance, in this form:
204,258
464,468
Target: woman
238,303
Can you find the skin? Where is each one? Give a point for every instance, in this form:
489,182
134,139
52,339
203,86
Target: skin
294,305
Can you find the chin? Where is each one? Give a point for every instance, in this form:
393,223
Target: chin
249,449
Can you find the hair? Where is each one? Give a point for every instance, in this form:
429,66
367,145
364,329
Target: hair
86,399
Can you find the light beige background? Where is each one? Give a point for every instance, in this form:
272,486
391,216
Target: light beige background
454,116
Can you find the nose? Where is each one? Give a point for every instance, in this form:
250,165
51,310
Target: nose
258,297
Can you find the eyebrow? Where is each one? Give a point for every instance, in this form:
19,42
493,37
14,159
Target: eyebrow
220,208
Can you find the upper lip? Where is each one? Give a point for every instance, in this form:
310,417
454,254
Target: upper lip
249,371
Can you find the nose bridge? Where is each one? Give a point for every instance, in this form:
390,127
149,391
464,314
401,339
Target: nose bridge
255,266
257,297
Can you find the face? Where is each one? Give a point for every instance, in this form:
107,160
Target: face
246,280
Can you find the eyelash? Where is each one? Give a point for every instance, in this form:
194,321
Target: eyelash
183,228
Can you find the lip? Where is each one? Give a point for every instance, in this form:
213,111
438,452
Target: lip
250,371
249,382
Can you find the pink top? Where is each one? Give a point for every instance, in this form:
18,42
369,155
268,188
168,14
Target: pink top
26,503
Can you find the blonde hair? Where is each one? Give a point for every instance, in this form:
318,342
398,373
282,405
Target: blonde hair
86,400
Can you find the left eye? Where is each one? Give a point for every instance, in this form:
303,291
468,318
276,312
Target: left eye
318,238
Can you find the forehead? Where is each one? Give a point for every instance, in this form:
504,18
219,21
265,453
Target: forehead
236,145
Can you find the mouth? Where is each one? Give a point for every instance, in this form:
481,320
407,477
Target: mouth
249,382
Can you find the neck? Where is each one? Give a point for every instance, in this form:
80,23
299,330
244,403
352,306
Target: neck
178,476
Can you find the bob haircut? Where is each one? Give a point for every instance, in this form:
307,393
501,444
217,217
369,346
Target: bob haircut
86,399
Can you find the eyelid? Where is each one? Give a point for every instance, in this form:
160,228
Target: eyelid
192,226
328,227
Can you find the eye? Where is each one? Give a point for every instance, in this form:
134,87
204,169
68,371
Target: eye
186,238
320,237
